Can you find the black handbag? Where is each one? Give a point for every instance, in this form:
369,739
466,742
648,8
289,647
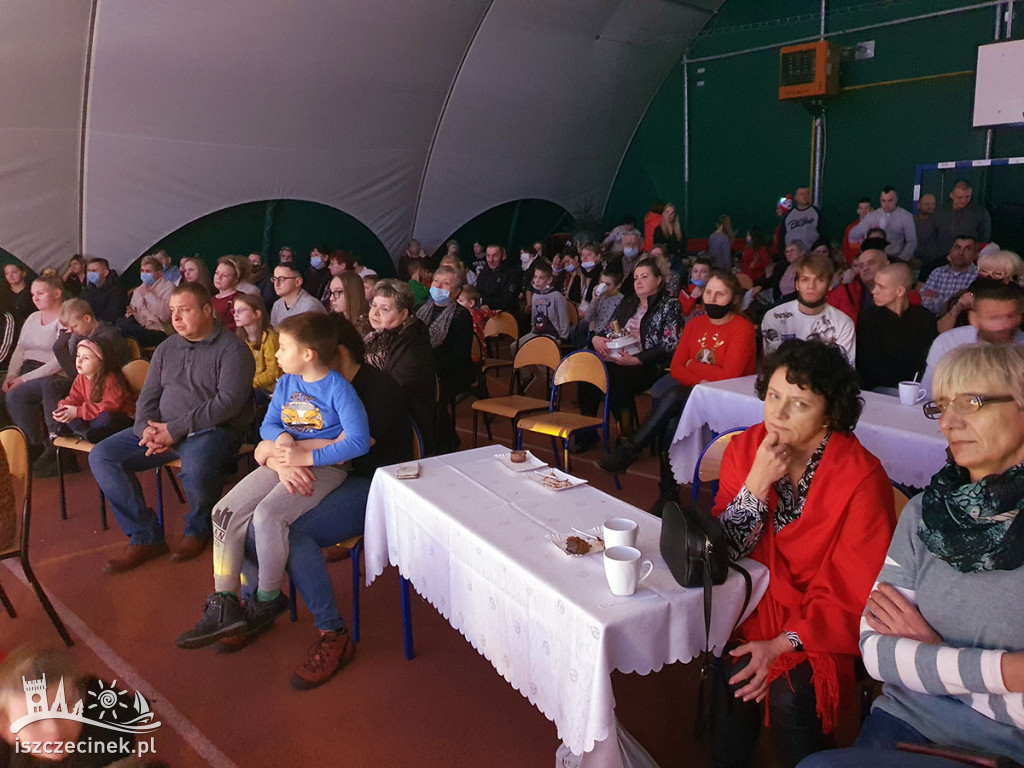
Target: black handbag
694,548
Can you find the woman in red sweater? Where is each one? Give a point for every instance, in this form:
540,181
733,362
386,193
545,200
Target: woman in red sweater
720,344
799,494
100,402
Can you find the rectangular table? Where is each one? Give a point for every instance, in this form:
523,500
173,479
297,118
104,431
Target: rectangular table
909,445
469,535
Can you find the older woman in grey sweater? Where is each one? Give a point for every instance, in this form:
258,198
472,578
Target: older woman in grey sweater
944,627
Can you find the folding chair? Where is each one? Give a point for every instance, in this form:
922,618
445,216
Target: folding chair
537,351
583,366
135,373
710,462
355,546
502,325
16,448
132,349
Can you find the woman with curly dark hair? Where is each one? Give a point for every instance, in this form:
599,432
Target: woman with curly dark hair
799,494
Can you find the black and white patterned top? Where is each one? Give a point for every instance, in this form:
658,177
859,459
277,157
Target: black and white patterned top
744,518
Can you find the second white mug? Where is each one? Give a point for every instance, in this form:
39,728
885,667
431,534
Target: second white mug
622,568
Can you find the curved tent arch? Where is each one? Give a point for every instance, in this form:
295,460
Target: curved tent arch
126,118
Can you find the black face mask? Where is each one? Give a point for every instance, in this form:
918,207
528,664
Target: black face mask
717,311
813,305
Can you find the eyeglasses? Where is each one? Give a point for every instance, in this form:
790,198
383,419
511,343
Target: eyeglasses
964,405
335,294
279,280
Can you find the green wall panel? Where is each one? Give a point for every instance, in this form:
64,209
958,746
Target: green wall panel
747,148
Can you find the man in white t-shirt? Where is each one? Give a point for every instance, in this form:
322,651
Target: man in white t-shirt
810,316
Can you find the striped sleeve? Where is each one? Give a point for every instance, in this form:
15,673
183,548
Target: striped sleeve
941,670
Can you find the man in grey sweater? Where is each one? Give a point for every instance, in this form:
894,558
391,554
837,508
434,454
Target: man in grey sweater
195,405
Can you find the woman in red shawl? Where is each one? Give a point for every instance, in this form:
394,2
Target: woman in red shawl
799,494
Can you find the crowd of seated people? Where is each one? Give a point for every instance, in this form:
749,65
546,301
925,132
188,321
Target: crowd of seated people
797,492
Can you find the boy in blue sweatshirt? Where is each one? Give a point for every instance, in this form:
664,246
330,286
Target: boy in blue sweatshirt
314,426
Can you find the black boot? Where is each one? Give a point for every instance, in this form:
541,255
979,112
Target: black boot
668,488
627,451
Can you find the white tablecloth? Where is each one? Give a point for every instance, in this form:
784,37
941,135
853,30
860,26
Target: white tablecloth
910,446
469,535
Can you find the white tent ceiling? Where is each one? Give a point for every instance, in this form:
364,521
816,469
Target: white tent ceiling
413,116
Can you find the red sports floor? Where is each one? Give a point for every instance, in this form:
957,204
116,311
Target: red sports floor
446,707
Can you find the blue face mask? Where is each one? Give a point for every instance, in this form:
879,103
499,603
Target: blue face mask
698,283
588,265
440,296
316,262
630,253
93,277
569,267
147,278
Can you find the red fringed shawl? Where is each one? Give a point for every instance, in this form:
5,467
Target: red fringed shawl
823,565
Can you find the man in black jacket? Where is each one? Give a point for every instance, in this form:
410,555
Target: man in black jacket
104,291
499,283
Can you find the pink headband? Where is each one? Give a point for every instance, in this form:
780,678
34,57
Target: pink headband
93,346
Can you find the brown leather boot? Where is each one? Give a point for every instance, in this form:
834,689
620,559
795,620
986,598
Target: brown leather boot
135,555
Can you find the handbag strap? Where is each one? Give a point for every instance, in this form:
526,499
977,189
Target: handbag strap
707,659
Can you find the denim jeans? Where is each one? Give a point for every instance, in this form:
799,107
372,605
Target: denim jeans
875,747
32,404
115,461
338,517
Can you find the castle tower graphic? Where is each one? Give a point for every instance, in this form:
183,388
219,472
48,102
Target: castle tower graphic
35,695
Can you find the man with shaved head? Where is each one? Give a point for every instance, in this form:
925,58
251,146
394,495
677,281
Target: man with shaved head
896,222
961,218
893,336
855,294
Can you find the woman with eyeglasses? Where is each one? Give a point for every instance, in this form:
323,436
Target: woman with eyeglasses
799,494
347,296
944,625
1001,266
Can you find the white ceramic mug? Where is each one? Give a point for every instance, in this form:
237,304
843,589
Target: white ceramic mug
912,393
622,568
620,532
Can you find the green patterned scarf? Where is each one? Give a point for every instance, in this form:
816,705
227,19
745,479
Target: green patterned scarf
974,526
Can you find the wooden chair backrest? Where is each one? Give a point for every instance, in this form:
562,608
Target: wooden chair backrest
135,372
502,324
16,448
539,350
582,366
711,462
133,349
476,350
573,311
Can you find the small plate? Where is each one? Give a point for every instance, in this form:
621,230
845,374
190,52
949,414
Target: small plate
560,540
555,479
532,462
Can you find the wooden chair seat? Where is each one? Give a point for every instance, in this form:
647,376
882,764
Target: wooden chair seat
558,423
510,406
74,444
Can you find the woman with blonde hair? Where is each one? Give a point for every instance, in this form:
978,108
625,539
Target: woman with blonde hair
244,270
670,234
347,295
225,280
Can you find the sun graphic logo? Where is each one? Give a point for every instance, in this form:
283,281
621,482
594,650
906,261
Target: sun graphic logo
109,707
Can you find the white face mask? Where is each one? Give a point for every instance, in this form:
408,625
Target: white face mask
600,289
525,257
588,265
630,252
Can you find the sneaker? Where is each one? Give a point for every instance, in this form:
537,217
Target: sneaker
620,459
330,653
222,617
260,614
